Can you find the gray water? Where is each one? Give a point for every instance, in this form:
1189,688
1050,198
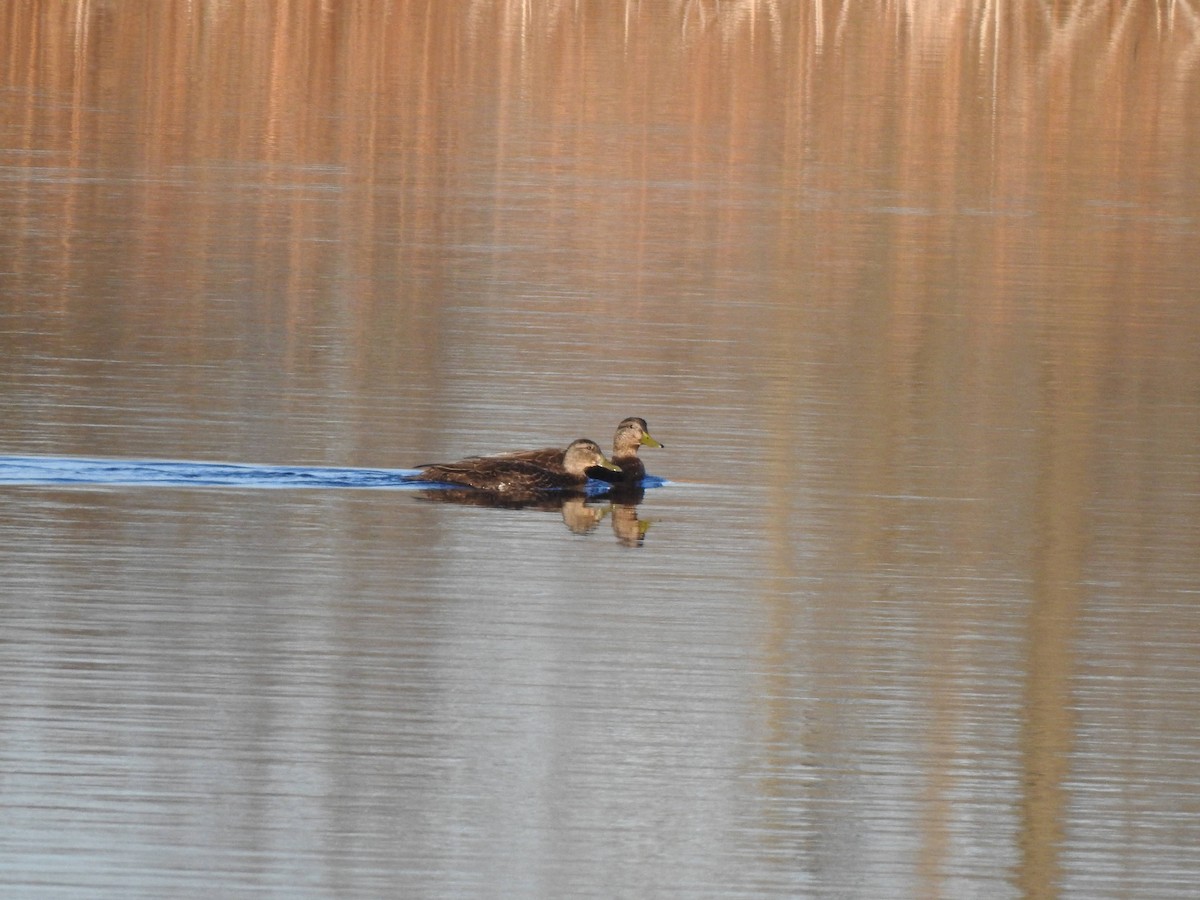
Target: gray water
909,298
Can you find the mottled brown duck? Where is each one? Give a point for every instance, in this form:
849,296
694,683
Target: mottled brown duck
631,434
523,472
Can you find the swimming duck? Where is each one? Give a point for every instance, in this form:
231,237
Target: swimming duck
526,471
631,434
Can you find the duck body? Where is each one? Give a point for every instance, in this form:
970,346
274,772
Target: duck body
523,472
551,458
547,500
632,470
631,434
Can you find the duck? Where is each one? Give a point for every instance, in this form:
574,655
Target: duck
632,433
524,471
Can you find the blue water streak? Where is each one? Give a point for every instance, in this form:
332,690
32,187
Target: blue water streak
67,470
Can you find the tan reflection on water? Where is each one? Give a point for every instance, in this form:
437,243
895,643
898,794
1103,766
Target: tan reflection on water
398,108
930,265
1063,489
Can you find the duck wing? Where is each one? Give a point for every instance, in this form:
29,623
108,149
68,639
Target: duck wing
547,457
498,473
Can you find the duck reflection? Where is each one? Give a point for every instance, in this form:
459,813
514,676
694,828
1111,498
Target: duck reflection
628,528
581,513
623,502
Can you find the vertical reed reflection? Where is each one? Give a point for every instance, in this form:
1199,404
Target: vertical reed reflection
429,131
1064,486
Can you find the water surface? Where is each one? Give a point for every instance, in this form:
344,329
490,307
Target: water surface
909,295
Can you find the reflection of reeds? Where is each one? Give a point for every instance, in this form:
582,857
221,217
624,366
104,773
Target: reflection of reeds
301,83
382,52
603,106
663,131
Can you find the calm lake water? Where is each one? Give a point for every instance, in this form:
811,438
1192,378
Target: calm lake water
908,291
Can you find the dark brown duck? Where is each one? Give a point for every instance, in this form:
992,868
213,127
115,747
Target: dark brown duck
632,434
525,471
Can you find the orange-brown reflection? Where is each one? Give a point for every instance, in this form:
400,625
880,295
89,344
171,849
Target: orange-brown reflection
395,103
